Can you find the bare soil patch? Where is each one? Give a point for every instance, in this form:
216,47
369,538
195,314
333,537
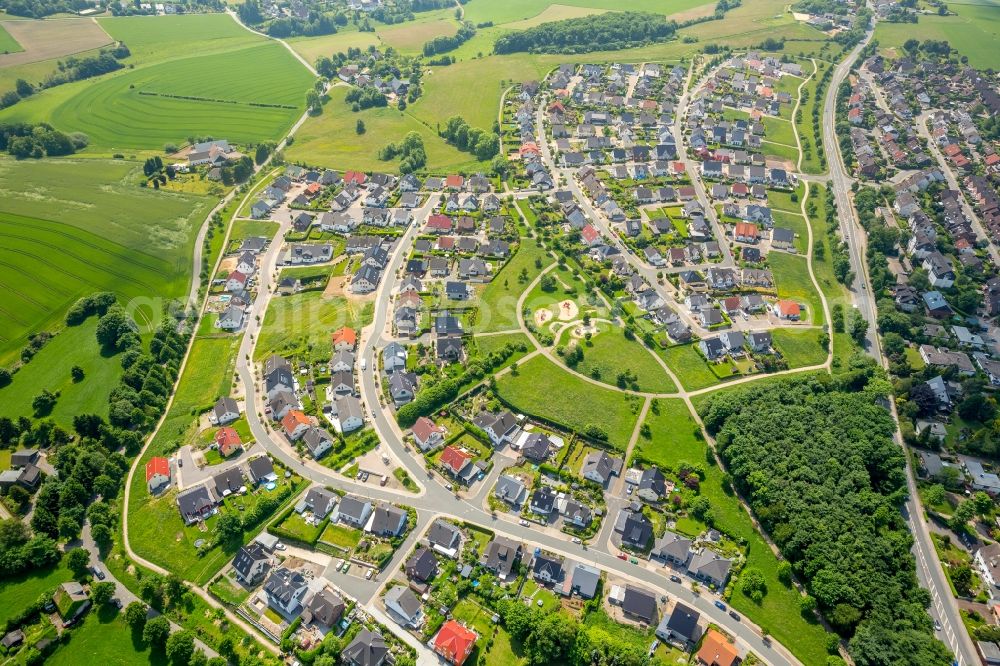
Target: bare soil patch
52,38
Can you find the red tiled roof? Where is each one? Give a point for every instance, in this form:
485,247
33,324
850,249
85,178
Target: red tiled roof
424,428
228,440
356,177
454,180
454,459
438,221
156,466
454,642
590,234
746,229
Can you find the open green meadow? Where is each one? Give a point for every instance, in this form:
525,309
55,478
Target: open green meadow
71,227
498,302
411,37
304,321
331,139
974,32
609,353
237,86
104,638
50,369
17,593
673,441
800,347
791,276
7,43
542,388
690,366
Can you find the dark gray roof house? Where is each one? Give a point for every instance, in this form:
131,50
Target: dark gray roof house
421,566
640,603
510,489
324,607
228,482
261,469
682,625
672,547
500,556
444,535
536,447
195,503
635,528
320,501
251,563
387,521
584,581
367,649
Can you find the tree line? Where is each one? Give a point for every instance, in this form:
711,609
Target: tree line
445,43
600,32
816,460
410,149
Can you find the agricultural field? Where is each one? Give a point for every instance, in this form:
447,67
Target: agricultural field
973,32
411,37
24,42
331,139
543,389
50,369
313,48
239,87
71,227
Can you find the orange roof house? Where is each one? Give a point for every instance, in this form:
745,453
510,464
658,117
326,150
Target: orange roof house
746,232
788,310
454,642
717,651
345,338
228,440
454,182
295,423
157,473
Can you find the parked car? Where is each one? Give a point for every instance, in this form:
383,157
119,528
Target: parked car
622,556
368,576
97,572
633,560
736,616
524,523
577,540
720,605
675,579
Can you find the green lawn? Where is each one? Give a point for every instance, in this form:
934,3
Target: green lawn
799,347
300,528
811,141
609,353
19,592
674,435
104,638
331,139
71,227
249,228
781,151
791,275
411,36
505,651
823,267
689,366
341,535
305,320
542,388
779,130
498,302
7,43
50,369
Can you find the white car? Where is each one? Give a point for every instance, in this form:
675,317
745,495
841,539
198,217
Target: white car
279,546
368,576
524,523
577,540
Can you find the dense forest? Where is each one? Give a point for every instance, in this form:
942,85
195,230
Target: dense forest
816,460
601,32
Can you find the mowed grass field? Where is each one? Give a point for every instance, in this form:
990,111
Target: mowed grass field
312,48
238,86
411,37
306,320
331,140
973,32
71,227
